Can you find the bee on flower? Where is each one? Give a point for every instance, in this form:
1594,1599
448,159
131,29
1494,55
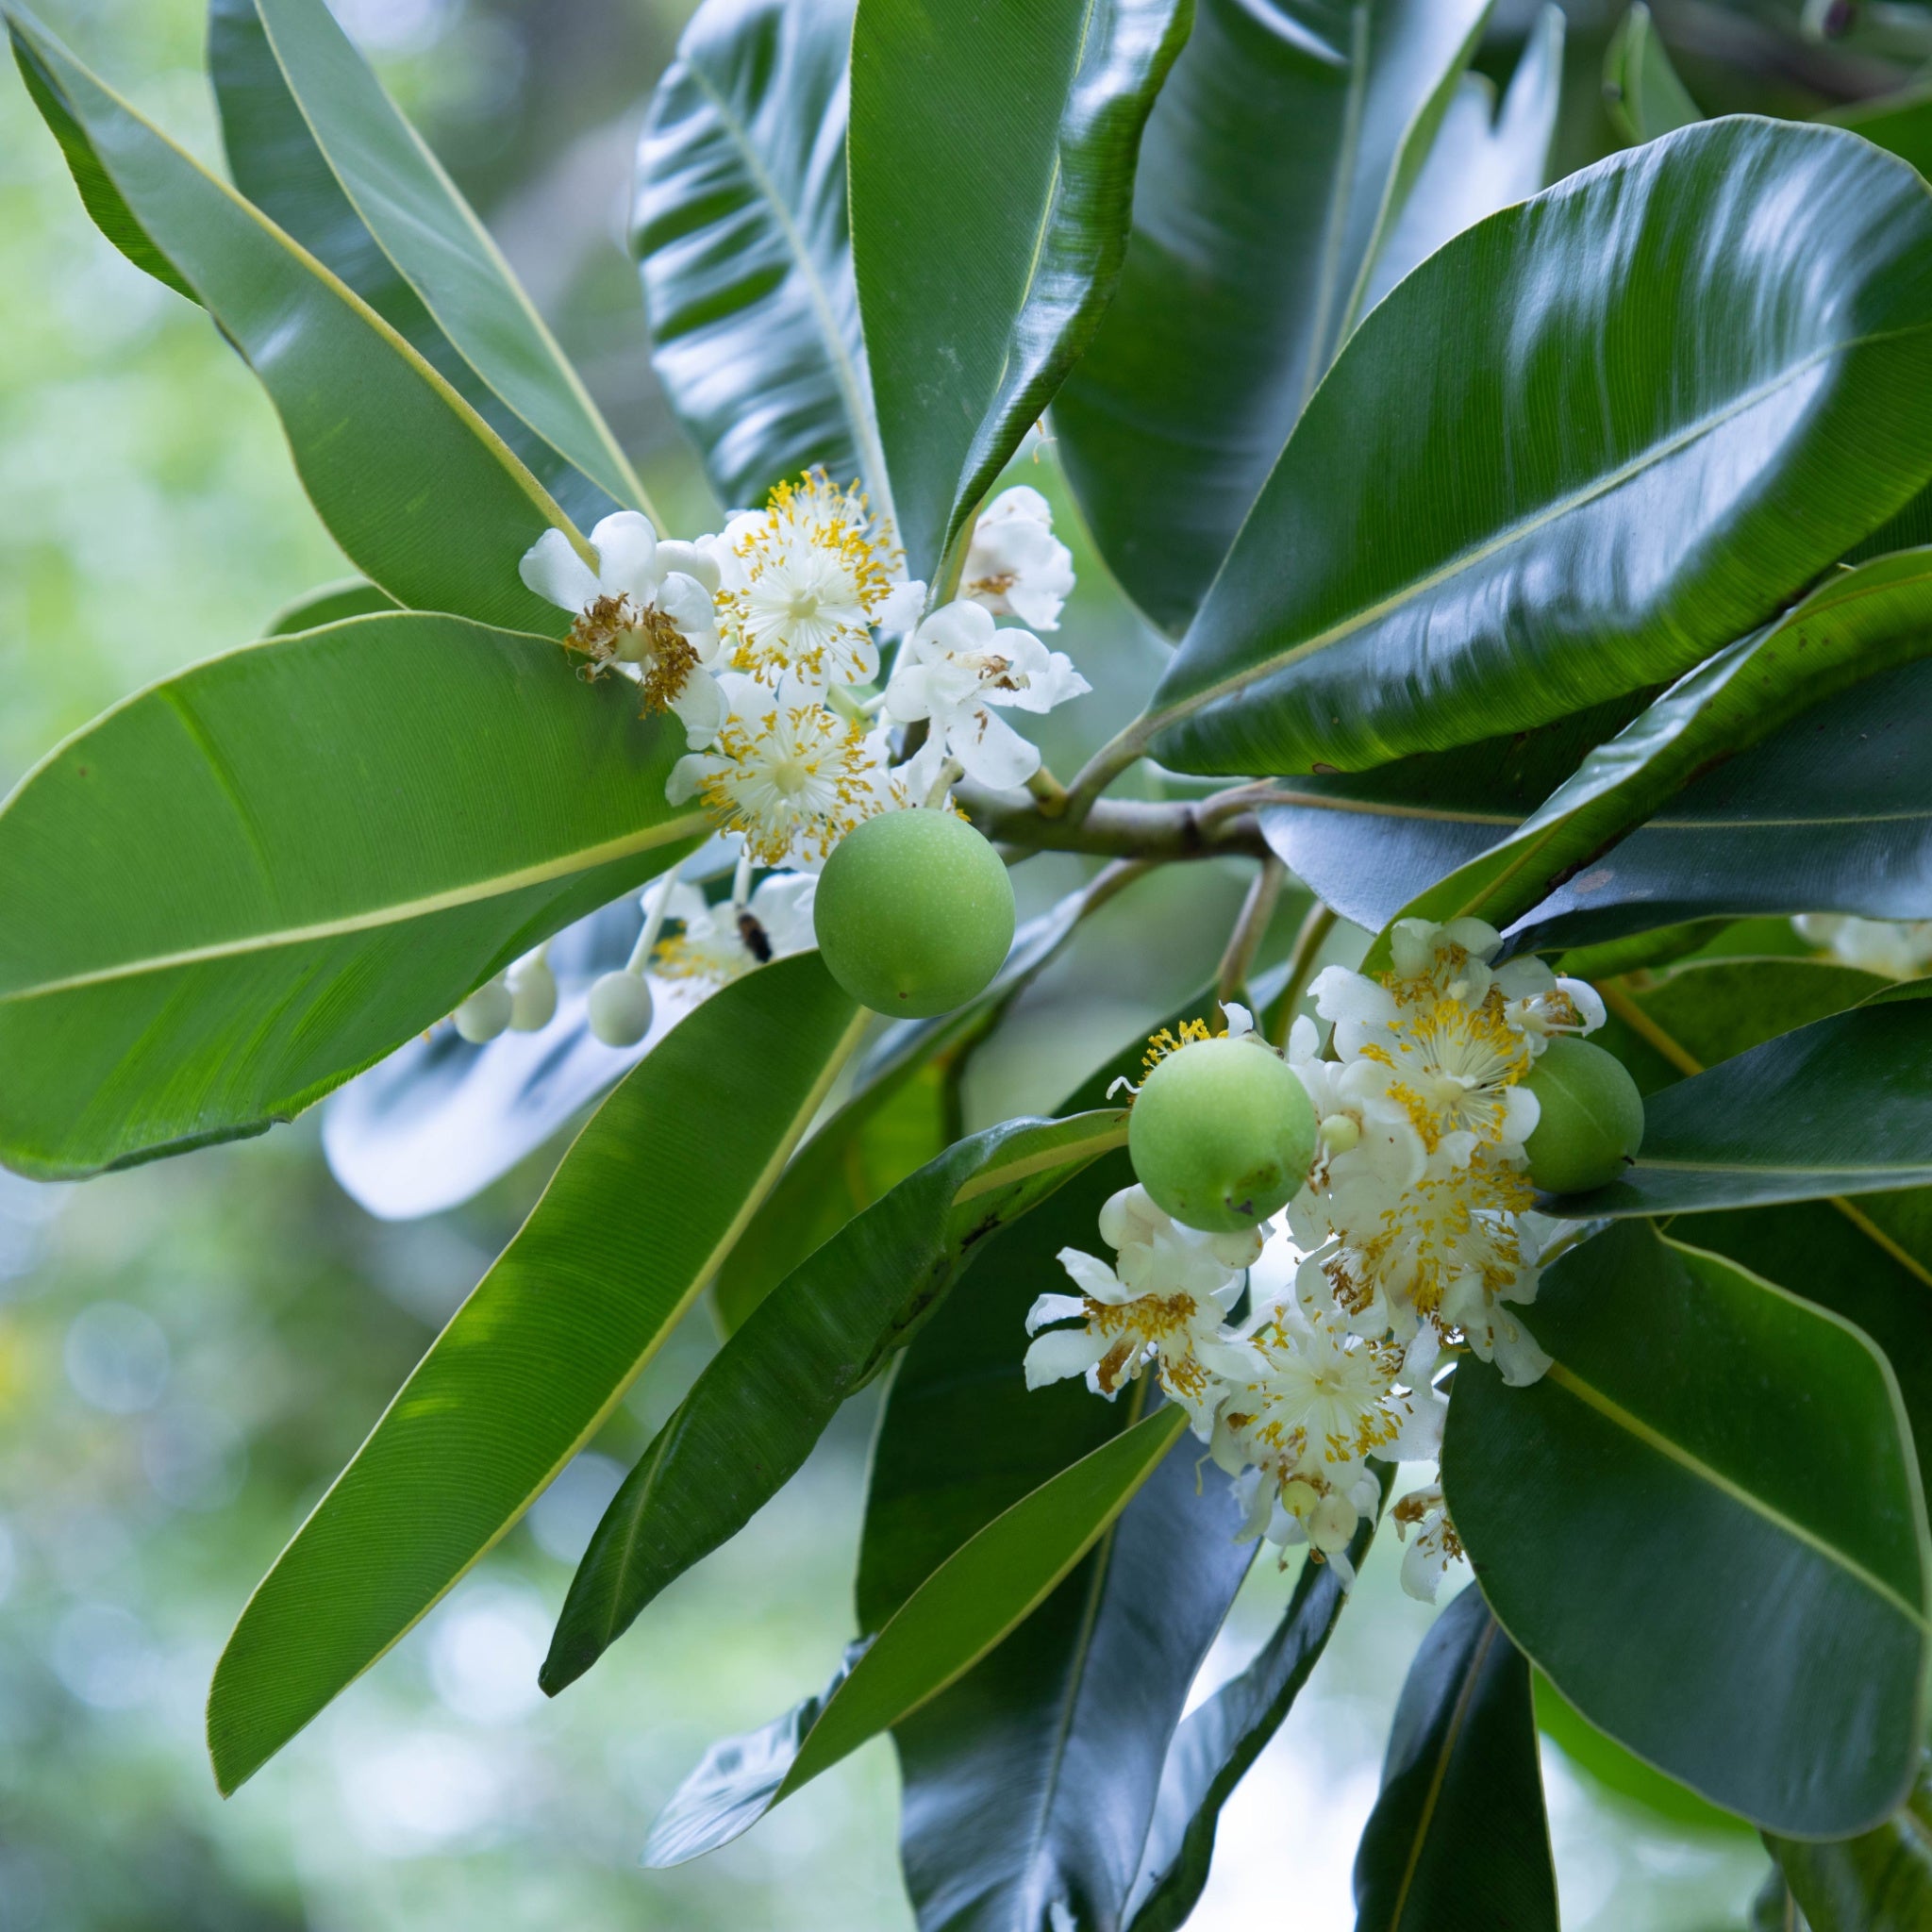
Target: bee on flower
646,607
716,944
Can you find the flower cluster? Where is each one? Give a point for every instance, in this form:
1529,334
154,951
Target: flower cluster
765,643
1412,1242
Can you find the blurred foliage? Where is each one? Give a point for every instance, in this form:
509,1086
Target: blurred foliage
189,1352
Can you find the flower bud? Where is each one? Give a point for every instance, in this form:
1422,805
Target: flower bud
1341,1132
914,913
619,1008
485,1013
1331,1527
532,994
1221,1135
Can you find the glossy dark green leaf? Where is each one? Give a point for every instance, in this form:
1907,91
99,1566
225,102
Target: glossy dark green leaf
423,497
1641,90
1625,1778
423,224
817,1196
275,160
352,597
1855,624
738,1779
645,1203
988,221
1218,1742
754,1415
740,231
1283,145
1548,509
1879,1882
1705,1524
1487,153
253,879
1841,1106
1832,814
1458,1841
1774,1909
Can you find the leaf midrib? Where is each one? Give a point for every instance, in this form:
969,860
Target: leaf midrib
1513,534
1655,1440
565,865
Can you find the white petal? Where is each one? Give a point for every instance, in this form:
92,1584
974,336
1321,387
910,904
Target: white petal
695,561
1053,1307
1022,500
908,694
1587,999
688,777
960,626
627,547
552,568
700,707
993,754
1061,1352
900,610
1092,1277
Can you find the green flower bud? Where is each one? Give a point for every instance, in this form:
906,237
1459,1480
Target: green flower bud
619,1008
914,913
485,1013
1591,1120
1221,1135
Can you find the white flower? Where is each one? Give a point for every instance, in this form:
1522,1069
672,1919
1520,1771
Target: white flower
1160,1304
1015,565
805,579
719,944
1435,1547
958,665
1899,949
643,609
789,774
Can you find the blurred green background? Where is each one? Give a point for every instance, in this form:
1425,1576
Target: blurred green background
189,1352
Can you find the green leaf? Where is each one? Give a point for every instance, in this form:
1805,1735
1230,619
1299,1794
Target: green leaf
740,234
256,878
423,496
1705,1524
1857,624
1879,1882
1615,1771
1774,1909
754,1415
1283,145
1218,1743
1831,814
895,1082
1459,1837
644,1205
981,1591
1841,1106
1901,124
352,597
438,1120
273,160
988,221
1641,90
1551,511
423,224
1486,154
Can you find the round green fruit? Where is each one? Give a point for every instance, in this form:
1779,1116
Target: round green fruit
914,913
1221,1135
1591,1120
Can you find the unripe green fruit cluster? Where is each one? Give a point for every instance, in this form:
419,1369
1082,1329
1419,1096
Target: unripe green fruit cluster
1591,1119
914,913
1221,1135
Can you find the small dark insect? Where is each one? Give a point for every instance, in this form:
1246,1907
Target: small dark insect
755,942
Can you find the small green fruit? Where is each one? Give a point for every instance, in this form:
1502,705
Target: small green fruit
1221,1135
914,913
619,1008
485,1013
1591,1120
